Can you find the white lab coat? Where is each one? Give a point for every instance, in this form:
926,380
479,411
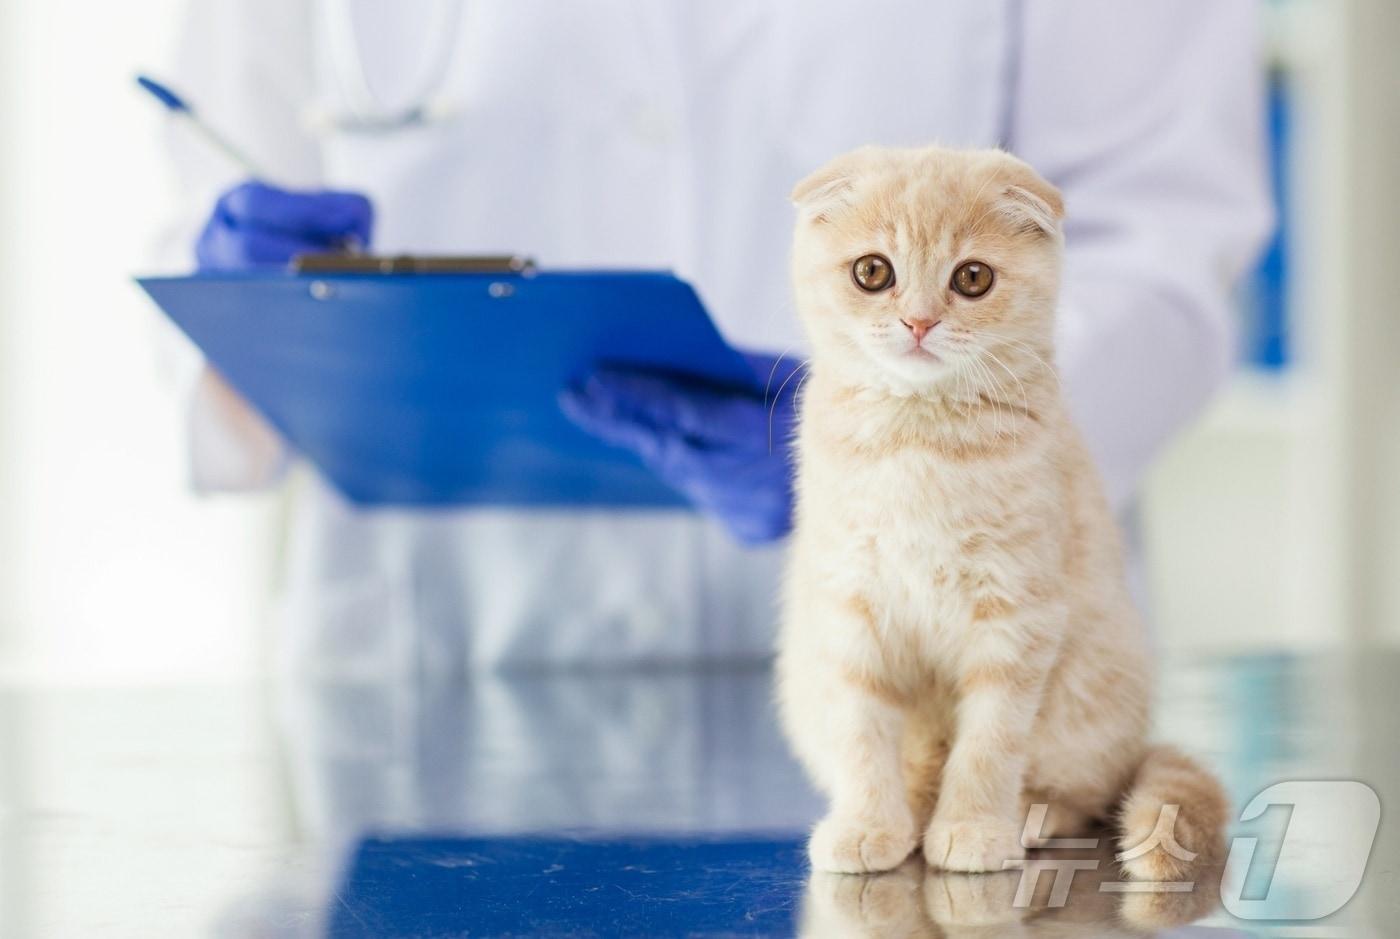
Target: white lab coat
668,134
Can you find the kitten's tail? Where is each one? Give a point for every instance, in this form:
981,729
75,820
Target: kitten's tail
1172,832
1172,821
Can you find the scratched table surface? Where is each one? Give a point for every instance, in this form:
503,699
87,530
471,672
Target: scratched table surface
658,804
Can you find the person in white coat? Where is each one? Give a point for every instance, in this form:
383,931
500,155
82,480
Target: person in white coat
667,134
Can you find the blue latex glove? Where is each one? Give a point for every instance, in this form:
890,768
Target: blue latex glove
729,451
254,224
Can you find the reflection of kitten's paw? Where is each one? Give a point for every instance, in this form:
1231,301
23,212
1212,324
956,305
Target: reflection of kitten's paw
847,905
973,845
973,899
847,845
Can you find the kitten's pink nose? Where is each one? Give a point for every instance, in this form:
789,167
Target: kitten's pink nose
920,328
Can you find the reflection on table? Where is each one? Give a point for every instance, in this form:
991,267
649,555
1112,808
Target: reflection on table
425,807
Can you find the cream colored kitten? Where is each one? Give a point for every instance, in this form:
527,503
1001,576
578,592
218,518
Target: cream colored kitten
958,641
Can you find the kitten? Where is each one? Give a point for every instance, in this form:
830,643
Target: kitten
958,640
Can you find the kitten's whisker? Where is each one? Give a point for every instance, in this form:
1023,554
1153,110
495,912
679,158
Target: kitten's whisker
976,400
983,217
1001,392
995,398
965,391
1025,399
797,392
767,386
1025,348
981,398
774,371
972,203
772,408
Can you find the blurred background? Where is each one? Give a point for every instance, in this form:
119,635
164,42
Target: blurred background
112,570
1275,521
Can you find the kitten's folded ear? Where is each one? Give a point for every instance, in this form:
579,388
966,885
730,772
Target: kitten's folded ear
1033,205
826,189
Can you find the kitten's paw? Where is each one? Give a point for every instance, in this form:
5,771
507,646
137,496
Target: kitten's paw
972,845
846,845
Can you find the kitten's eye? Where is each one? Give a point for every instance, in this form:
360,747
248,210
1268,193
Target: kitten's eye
973,279
873,273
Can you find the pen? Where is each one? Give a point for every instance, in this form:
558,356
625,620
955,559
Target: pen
181,108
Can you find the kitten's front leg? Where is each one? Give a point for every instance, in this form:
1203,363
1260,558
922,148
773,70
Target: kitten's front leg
977,823
870,826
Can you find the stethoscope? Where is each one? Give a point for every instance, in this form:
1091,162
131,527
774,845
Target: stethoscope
364,112
361,109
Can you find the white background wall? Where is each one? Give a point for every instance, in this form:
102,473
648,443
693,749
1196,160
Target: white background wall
108,569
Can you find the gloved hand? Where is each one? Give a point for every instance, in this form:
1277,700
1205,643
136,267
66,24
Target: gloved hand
728,451
254,224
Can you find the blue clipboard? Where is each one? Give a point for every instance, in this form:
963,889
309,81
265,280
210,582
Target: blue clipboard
441,389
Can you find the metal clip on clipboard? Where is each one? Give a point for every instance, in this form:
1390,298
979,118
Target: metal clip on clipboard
353,263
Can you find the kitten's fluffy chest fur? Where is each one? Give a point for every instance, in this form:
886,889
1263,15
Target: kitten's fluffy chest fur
927,512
